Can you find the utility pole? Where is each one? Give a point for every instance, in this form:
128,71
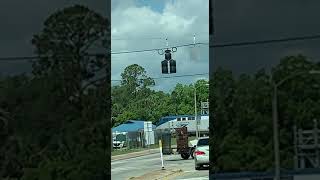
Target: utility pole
275,117
276,133
195,110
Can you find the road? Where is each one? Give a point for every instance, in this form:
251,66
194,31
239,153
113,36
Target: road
135,167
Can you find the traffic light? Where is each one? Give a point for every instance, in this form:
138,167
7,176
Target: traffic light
172,64
168,65
167,55
164,67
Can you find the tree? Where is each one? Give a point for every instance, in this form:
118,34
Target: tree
67,50
135,79
10,164
243,115
70,100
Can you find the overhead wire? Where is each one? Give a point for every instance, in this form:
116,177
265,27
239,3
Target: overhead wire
168,77
26,58
156,49
281,40
156,37
224,45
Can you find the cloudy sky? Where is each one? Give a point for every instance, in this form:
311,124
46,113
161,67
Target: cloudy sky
140,24
20,20
253,20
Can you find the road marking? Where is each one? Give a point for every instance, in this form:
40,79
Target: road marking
119,169
131,160
123,169
139,157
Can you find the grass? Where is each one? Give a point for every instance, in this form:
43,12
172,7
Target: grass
126,151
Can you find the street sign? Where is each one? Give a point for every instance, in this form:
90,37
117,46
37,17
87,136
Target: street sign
204,105
148,133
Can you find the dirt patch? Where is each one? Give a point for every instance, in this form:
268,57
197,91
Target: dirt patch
158,175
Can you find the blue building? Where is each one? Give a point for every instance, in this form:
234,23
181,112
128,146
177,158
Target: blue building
131,126
132,132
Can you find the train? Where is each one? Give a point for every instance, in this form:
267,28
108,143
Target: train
172,122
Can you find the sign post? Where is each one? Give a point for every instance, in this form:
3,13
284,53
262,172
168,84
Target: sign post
161,156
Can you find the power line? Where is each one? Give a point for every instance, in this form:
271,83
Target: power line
157,38
25,58
156,49
151,38
169,77
247,43
30,58
301,38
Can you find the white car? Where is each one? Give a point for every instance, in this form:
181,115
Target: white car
118,144
201,153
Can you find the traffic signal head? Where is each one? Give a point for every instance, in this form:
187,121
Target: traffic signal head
164,67
167,55
172,66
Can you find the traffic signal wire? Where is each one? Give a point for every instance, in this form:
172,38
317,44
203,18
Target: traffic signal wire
247,43
290,39
168,77
157,49
117,38
30,58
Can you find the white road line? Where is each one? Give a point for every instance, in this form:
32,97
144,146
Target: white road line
131,160
119,169
135,158
122,169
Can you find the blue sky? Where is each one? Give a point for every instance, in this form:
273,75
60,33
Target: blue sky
134,21
156,5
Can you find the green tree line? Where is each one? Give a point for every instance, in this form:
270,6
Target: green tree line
135,99
241,108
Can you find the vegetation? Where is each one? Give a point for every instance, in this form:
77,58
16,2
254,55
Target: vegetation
54,122
134,98
242,111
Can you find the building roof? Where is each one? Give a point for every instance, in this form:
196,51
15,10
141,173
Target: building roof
130,126
170,118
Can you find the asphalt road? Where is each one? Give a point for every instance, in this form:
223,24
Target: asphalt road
135,167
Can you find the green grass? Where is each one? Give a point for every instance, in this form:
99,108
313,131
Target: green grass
126,151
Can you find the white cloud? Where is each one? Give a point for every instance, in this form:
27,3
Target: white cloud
178,21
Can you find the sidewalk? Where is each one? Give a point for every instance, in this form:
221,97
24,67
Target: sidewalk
135,154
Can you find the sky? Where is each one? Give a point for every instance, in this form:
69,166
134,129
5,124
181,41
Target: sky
235,21
253,20
20,20
134,24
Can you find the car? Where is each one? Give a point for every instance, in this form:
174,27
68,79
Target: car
118,144
201,153
193,145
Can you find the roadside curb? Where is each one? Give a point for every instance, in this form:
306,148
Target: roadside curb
134,154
